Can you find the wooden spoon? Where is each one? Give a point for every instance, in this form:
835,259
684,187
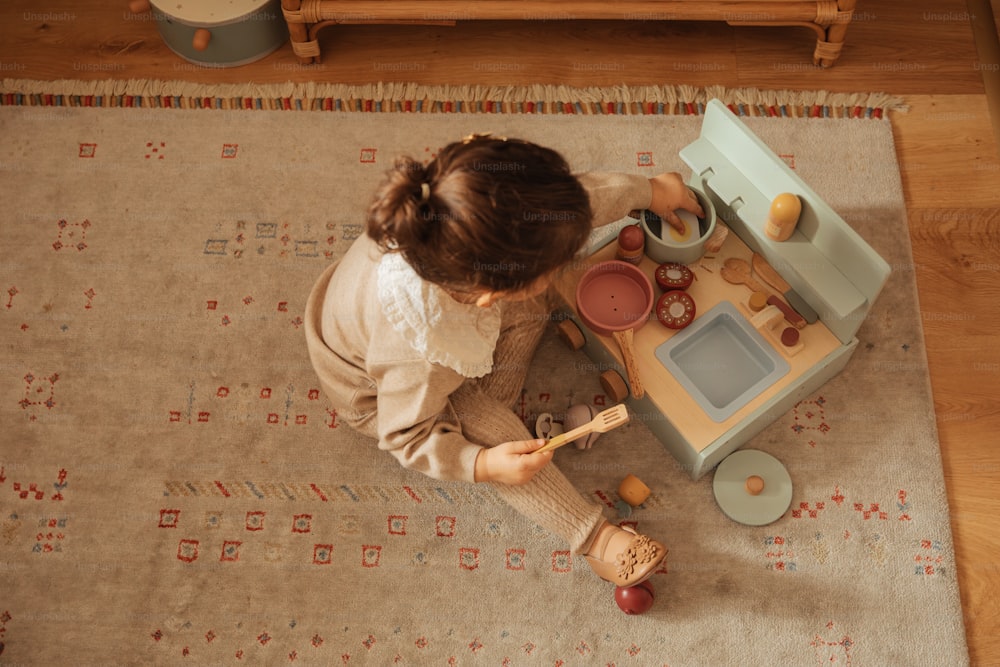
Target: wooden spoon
770,276
737,272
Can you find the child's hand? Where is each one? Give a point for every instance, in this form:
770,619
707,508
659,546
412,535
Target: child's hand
670,193
511,462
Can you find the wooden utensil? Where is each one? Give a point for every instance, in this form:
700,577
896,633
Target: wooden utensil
624,340
602,423
768,274
737,271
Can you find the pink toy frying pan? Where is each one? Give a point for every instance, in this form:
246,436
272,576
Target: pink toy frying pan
615,298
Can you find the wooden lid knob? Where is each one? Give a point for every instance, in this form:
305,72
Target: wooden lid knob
201,39
139,6
755,484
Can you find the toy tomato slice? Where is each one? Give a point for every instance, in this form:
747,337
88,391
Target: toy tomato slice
675,309
672,276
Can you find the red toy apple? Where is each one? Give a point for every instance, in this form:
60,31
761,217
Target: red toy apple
634,600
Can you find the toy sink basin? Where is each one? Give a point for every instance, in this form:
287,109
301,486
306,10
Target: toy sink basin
722,361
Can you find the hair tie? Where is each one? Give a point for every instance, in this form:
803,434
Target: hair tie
425,192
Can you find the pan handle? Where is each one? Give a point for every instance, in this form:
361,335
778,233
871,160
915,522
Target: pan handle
624,340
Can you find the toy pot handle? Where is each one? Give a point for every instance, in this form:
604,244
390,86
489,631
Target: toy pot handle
624,340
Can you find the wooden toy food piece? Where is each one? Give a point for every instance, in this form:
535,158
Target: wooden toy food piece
633,490
783,216
675,309
790,337
775,281
771,322
671,276
793,318
631,243
757,301
634,600
718,237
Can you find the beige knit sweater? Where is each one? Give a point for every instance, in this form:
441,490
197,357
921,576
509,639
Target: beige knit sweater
378,382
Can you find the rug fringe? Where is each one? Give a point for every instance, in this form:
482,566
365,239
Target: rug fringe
412,97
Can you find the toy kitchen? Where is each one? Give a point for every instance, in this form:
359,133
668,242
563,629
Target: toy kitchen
712,336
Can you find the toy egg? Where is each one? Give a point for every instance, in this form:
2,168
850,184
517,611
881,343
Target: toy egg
635,600
783,216
690,223
633,490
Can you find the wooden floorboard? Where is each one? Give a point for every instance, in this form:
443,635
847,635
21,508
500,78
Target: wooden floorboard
920,50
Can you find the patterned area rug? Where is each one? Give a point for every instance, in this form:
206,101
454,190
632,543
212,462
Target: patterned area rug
174,488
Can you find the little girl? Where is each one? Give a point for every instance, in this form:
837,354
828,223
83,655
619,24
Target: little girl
423,332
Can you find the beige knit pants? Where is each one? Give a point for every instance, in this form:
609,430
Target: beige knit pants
488,419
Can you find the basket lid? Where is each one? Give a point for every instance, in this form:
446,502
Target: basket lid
208,13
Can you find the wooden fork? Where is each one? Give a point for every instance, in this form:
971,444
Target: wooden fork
602,423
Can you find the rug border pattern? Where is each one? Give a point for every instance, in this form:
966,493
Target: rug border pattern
401,97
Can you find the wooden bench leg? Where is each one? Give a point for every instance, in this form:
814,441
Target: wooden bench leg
834,16
305,49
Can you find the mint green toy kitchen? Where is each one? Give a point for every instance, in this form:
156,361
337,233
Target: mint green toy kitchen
711,386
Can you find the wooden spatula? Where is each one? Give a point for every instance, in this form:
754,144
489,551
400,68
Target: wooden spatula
602,423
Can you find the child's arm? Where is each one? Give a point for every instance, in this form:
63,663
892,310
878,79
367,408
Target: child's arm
420,429
613,195
511,462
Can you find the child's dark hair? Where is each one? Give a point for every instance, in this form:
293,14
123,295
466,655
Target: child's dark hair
486,214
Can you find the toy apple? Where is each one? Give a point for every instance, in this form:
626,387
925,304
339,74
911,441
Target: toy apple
635,600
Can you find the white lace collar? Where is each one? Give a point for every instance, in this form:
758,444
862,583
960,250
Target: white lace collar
460,336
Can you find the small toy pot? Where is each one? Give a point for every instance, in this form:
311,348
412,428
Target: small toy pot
662,247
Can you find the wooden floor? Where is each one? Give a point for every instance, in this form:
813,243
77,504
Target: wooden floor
922,50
